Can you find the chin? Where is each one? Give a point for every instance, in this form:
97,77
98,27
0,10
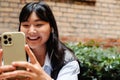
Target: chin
32,46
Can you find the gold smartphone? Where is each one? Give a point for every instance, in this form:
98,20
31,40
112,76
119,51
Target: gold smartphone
13,45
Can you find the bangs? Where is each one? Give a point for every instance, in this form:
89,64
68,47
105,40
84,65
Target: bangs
25,13
38,9
42,14
24,17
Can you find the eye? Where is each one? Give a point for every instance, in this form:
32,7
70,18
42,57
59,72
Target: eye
26,25
39,25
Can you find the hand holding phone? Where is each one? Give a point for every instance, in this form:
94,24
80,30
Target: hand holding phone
13,45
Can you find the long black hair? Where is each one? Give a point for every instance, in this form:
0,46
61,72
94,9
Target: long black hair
55,48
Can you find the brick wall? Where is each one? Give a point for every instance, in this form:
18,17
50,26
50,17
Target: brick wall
101,20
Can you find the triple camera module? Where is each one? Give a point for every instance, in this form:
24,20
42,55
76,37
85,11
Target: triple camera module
7,39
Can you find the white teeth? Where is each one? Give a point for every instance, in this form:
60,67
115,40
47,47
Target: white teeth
33,37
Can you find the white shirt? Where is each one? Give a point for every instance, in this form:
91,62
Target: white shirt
68,72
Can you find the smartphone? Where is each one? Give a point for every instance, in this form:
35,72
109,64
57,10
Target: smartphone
13,45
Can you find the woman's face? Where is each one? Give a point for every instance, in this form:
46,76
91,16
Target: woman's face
37,31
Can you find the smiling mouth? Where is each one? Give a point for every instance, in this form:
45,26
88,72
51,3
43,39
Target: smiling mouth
33,38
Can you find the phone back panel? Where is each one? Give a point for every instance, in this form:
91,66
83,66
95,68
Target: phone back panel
13,44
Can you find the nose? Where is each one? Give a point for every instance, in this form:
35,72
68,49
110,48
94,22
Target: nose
32,30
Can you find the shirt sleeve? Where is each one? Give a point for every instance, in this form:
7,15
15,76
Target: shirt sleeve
69,71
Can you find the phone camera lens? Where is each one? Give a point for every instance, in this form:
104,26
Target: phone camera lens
5,42
9,39
5,36
10,42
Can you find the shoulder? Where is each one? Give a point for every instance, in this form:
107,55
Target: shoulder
69,56
69,71
71,62
73,65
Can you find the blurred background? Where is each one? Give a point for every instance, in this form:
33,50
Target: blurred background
78,20
93,24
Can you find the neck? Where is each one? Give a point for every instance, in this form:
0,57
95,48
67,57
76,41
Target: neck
40,54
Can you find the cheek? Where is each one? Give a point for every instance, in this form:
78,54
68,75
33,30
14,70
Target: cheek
23,30
45,38
45,33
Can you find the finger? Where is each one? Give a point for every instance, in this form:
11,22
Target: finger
16,73
1,53
27,65
17,78
23,73
6,68
31,55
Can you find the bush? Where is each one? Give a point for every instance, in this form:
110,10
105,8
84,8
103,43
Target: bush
97,63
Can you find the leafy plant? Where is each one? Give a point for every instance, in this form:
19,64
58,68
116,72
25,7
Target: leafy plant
97,63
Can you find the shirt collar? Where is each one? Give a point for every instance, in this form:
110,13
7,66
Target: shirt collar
47,61
47,66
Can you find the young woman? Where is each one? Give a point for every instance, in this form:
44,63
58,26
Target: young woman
48,58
